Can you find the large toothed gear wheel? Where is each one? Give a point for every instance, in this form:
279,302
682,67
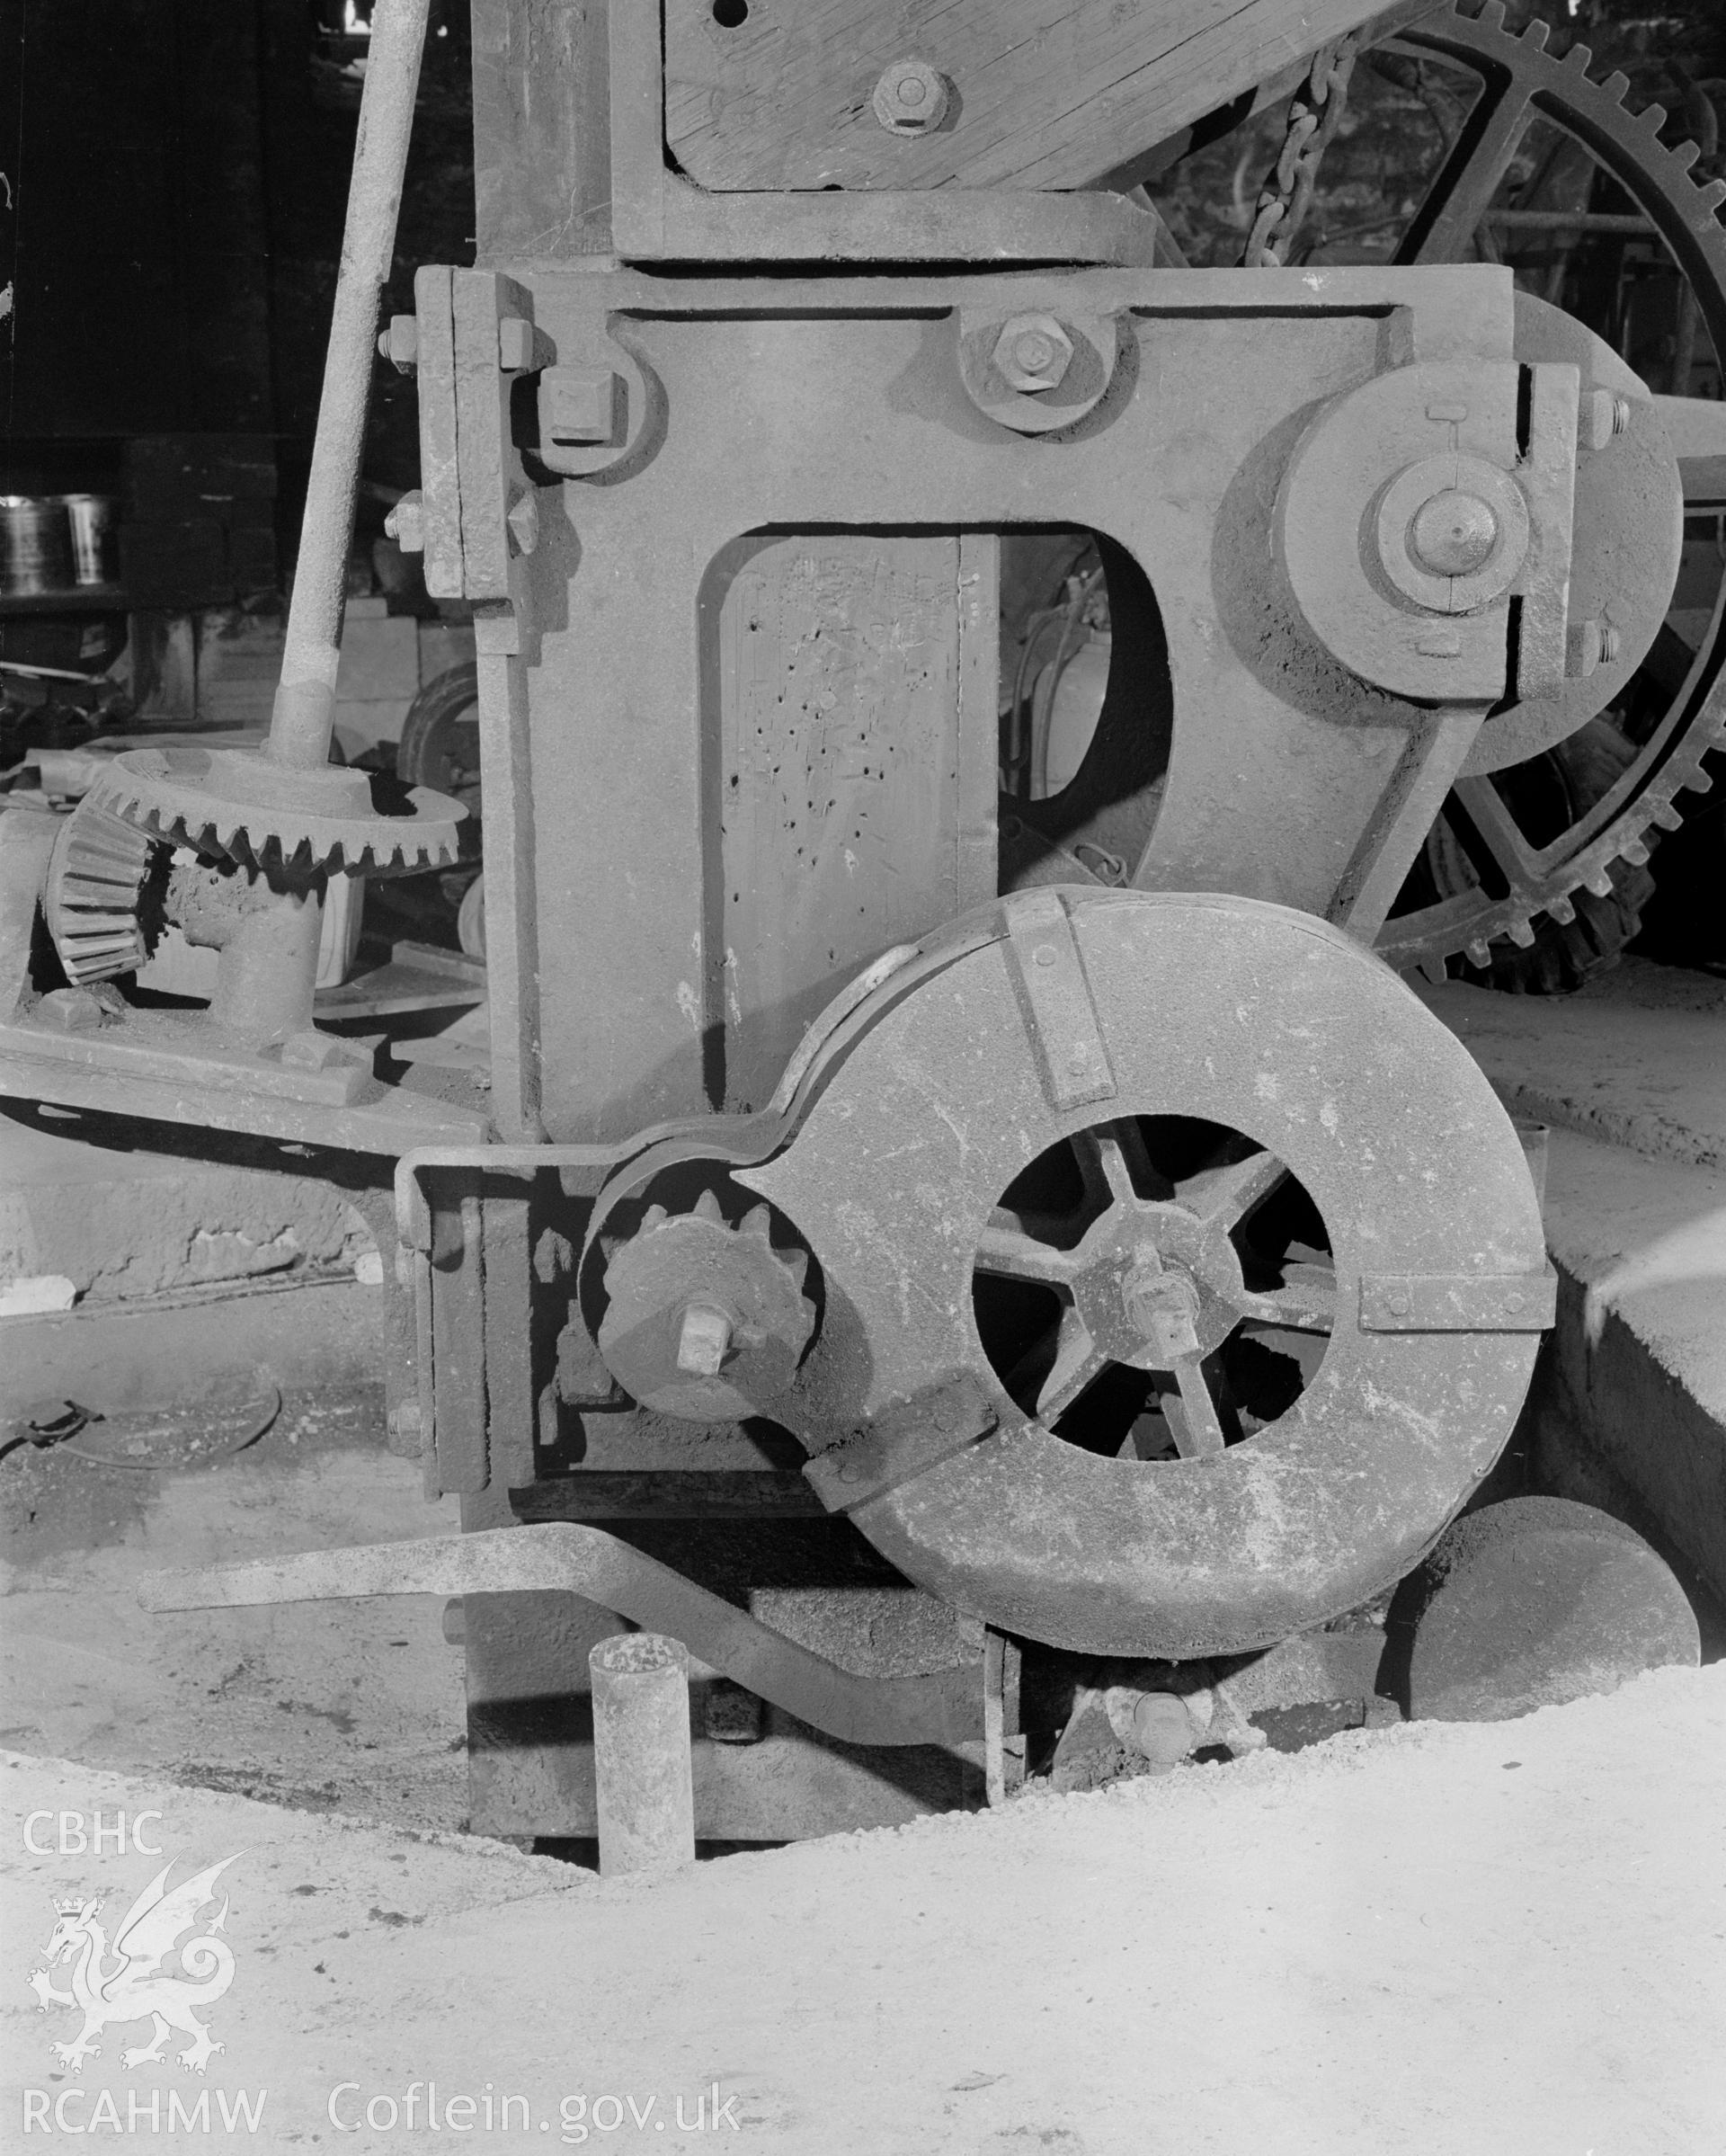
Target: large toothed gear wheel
704,1320
95,879
1515,882
243,806
1268,1141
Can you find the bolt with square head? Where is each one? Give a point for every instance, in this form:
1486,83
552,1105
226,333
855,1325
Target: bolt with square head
1032,352
405,524
703,1339
581,405
910,98
400,343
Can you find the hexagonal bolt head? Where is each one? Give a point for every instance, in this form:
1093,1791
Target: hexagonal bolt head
310,1050
910,98
1604,415
1032,352
399,342
522,517
1593,643
705,1340
1160,1307
405,524
69,1011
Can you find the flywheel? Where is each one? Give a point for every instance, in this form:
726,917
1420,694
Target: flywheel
1182,1275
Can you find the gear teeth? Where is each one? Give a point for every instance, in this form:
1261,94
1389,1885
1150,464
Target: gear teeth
1521,934
757,1225
1712,195
1479,953
1599,882
1634,852
706,1208
1651,118
609,1246
1578,58
1536,34
1562,911
1685,155
1668,814
1614,87
796,1266
656,1216
1492,14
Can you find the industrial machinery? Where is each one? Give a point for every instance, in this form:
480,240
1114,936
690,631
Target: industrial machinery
1009,1288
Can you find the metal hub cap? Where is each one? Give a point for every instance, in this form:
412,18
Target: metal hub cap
1453,533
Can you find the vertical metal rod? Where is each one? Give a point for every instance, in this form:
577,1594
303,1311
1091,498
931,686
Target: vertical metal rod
304,705
642,1769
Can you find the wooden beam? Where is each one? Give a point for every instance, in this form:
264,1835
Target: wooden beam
1044,93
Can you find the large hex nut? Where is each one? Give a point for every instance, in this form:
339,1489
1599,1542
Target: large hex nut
910,98
1033,353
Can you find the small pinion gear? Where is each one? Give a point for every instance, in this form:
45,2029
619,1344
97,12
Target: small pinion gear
705,1321
96,874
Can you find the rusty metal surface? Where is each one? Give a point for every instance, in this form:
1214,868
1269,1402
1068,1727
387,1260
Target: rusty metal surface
944,1708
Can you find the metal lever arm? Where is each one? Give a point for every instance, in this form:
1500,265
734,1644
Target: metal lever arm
944,1708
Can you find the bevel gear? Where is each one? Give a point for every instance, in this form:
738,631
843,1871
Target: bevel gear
1518,73
705,1321
96,876
246,807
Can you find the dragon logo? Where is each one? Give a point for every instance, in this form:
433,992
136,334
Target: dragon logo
134,1989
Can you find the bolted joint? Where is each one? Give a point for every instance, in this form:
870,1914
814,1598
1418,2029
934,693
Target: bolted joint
1162,1308
1032,352
703,1339
399,342
405,524
1604,415
310,1050
910,98
522,517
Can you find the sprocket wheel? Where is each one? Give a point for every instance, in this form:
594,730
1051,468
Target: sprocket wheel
1589,864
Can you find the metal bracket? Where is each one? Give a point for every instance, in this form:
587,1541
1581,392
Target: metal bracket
902,1442
1059,1014
1459,1301
943,1708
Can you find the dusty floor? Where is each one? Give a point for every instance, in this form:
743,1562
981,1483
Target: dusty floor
354,1707
1507,1939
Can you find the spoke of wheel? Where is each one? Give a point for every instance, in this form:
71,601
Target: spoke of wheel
1306,1302
1009,1249
1485,806
1461,195
1077,1362
1230,1192
1193,1419
1115,1164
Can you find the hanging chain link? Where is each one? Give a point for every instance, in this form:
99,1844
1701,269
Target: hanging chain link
1314,115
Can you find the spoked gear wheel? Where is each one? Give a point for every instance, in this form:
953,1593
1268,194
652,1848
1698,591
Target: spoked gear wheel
1590,863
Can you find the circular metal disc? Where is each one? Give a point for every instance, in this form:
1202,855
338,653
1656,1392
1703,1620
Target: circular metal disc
1242,1014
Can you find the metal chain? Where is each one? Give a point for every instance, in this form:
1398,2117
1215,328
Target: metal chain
1314,115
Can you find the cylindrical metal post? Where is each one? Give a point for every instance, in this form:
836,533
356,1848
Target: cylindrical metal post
305,705
642,1771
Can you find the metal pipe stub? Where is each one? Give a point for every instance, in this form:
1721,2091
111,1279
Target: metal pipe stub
643,1776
